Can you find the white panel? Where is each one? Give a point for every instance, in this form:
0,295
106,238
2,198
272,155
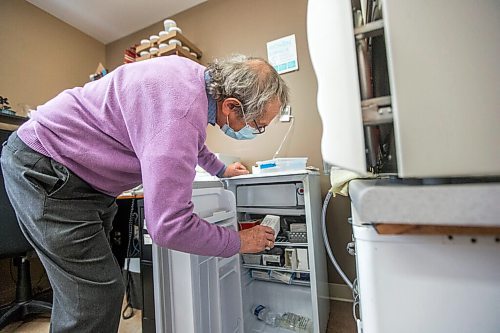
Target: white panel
277,195
380,201
444,71
428,284
331,46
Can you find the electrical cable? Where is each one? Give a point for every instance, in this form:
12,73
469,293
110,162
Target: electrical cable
285,137
132,218
327,242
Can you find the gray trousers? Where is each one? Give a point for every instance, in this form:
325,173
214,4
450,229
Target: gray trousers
68,224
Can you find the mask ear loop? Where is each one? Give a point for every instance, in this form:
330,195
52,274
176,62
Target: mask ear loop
243,112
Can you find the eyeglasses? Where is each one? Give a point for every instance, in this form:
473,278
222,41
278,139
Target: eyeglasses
258,129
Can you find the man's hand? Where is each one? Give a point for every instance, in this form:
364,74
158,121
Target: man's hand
235,169
256,239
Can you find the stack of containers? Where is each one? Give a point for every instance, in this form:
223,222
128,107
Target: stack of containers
157,43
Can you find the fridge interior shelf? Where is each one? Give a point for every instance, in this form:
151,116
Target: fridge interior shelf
272,210
294,282
274,268
290,244
219,216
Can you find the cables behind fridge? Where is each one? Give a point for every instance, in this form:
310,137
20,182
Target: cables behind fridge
133,217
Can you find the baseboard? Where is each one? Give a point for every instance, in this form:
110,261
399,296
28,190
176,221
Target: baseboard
340,292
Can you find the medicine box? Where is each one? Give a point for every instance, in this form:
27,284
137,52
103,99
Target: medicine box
261,275
272,221
271,260
303,261
297,237
252,259
298,227
291,258
281,276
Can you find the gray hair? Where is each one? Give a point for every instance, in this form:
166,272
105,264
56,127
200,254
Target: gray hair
252,81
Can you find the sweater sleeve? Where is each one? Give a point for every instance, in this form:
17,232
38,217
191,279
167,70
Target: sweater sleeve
168,168
209,162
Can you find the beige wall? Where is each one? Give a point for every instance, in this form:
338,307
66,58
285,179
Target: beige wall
222,27
40,57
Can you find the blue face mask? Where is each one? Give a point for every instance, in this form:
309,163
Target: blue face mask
246,133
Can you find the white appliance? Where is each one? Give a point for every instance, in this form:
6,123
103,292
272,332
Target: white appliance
410,90
208,294
425,93
425,282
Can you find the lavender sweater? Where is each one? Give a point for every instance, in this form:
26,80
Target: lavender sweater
144,122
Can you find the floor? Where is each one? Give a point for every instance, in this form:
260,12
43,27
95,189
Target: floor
341,321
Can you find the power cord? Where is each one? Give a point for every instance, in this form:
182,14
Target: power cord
132,218
327,242
285,137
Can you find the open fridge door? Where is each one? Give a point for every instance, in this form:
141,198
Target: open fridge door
330,34
197,293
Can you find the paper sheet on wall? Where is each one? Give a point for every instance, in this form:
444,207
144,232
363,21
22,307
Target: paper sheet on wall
282,54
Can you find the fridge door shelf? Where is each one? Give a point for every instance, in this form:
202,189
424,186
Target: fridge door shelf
293,283
272,210
274,268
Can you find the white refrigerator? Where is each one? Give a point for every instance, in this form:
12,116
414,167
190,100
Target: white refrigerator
209,294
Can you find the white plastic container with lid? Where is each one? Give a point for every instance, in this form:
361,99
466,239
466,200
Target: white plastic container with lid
153,38
174,41
162,33
282,164
153,50
167,24
145,42
176,29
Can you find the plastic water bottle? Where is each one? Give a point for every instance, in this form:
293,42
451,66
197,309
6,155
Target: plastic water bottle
296,323
288,320
264,314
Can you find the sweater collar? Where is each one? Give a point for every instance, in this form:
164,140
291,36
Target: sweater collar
212,103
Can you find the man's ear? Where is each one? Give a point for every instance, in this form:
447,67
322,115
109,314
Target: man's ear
228,105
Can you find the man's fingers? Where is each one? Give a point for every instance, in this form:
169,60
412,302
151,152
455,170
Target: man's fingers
270,237
268,230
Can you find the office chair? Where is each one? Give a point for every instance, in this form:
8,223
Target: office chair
14,244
